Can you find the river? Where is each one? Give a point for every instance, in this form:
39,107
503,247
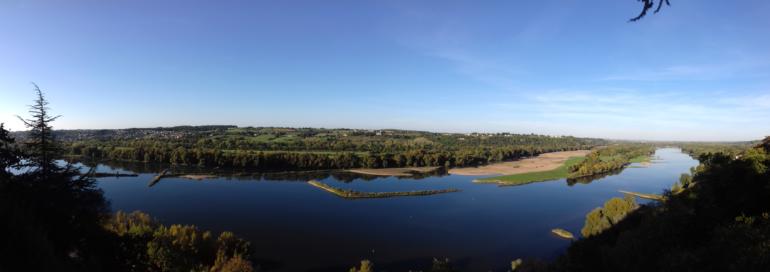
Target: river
296,227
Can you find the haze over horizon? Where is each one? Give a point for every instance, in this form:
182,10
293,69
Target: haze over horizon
698,71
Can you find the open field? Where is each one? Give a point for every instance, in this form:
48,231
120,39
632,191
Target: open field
544,162
398,172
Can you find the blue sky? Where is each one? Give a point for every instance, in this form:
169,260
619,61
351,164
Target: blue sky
699,70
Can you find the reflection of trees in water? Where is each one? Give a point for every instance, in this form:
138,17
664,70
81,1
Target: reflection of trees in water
589,179
246,174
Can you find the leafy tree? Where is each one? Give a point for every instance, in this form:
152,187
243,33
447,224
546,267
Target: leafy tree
613,212
366,266
146,245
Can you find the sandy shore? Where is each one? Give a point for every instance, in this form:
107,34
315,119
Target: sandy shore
398,172
198,177
544,162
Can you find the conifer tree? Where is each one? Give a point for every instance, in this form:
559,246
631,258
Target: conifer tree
41,149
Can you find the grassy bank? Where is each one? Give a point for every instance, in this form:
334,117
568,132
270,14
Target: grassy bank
526,178
358,195
641,159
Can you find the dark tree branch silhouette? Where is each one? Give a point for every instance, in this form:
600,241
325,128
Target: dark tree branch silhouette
41,147
647,5
8,152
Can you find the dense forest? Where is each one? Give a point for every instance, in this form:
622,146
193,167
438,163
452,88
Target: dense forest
309,149
697,149
611,158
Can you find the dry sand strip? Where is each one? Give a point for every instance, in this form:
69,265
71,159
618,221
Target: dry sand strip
198,177
543,162
398,172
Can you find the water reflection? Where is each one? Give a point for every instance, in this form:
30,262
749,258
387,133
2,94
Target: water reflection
241,174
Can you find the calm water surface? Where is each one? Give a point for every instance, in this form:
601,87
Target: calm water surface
296,227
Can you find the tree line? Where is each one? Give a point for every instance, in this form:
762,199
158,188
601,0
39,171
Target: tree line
609,159
209,153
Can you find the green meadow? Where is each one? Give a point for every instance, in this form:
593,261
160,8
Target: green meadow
526,178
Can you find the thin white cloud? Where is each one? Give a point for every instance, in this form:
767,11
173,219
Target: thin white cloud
633,114
711,71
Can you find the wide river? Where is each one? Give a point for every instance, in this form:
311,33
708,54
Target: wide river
296,227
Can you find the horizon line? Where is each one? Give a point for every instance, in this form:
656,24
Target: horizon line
410,130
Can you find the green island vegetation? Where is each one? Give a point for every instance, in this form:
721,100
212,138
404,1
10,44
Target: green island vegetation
350,194
600,162
526,178
275,149
610,159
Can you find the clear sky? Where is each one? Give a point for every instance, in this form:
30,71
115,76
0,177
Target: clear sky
699,70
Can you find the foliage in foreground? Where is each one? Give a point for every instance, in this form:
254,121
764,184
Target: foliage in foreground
719,221
56,219
146,245
602,218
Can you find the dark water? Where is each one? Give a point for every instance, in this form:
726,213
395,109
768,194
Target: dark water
297,227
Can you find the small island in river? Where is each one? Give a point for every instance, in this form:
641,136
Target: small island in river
350,194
